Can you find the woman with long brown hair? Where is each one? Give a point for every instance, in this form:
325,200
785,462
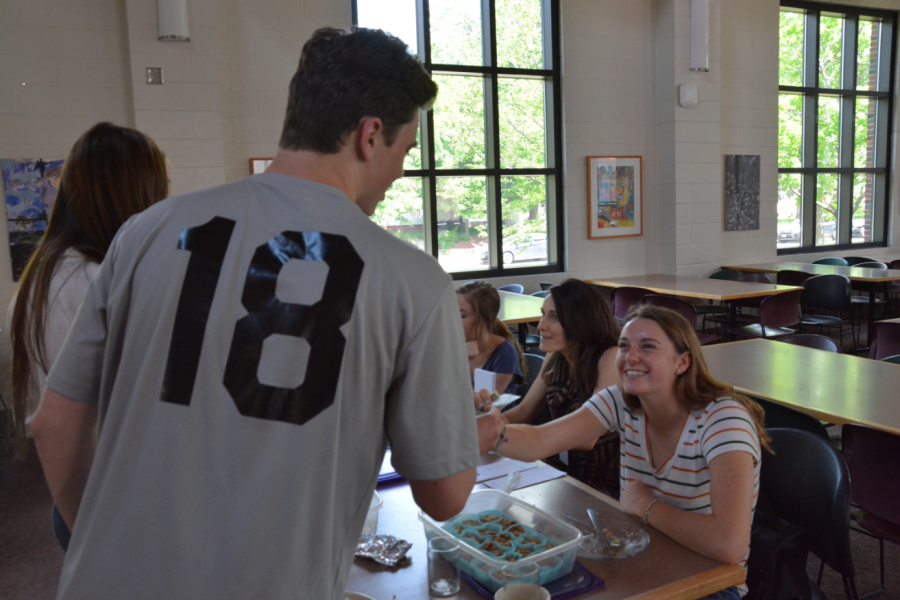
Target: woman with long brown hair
110,174
489,343
579,335
692,447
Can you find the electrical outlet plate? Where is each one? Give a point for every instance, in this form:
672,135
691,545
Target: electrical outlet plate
155,75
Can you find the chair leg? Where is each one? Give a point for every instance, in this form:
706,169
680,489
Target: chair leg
821,571
881,589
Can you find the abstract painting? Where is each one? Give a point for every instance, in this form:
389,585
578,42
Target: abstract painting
614,196
30,187
741,192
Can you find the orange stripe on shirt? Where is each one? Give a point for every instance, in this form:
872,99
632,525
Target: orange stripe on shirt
690,470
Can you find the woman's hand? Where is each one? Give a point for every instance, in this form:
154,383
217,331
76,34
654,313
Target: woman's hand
636,497
482,401
472,349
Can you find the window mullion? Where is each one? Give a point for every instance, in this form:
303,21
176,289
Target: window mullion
811,50
848,52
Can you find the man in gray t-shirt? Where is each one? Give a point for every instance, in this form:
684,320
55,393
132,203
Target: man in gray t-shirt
247,352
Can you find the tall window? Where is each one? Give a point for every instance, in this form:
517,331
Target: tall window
834,114
483,191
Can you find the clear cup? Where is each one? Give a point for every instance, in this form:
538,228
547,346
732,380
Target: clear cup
521,582
443,567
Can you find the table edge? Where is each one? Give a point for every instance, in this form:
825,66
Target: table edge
697,586
703,295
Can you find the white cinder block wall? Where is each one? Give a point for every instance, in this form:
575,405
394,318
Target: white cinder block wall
84,61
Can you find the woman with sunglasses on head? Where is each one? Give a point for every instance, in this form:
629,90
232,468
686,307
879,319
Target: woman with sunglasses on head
691,457
579,335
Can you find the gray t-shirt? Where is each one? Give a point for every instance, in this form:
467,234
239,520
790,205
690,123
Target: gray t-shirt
253,348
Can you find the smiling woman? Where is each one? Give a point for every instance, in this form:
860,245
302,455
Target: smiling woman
692,448
579,335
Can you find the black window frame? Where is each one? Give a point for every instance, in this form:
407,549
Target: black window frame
553,171
810,123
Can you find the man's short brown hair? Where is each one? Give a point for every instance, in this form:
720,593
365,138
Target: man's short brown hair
346,76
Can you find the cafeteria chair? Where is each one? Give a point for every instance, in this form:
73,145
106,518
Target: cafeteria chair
546,286
623,298
541,294
866,288
828,293
533,363
685,309
515,288
873,459
710,308
885,340
835,261
854,261
812,340
784,417
894,286
807,483
777,315
788,277
892,359
744,303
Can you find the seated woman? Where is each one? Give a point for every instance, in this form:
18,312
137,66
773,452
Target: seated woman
111,173
579,335
489,343
691,468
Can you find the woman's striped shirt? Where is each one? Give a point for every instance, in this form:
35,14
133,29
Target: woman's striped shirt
724,425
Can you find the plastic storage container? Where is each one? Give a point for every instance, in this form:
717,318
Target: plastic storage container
484,568
371,524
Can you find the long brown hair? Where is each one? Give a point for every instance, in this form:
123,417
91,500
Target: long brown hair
485,301
111,173
590,331
696,387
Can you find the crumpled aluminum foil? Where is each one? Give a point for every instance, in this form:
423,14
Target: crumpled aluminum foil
384,549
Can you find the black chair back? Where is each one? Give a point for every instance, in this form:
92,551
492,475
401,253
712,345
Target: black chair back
533,363
827,292
515,288
812,340
783,417
807,482
788,277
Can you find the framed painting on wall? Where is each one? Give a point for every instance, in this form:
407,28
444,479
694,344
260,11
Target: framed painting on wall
614,196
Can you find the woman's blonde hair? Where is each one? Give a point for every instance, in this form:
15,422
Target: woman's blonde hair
485,301
695,388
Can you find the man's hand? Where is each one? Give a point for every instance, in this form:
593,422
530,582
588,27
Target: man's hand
490,426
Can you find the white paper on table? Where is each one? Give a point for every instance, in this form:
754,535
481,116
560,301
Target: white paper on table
485,380
502,468
529,477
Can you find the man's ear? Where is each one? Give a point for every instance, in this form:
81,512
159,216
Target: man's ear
369,136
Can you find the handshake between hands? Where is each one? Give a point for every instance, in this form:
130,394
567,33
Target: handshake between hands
491,423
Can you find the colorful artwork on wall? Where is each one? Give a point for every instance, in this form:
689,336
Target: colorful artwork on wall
614,196
30,187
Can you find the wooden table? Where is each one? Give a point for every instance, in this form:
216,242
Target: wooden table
722,290
665,570
838,388
853,273
519,308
